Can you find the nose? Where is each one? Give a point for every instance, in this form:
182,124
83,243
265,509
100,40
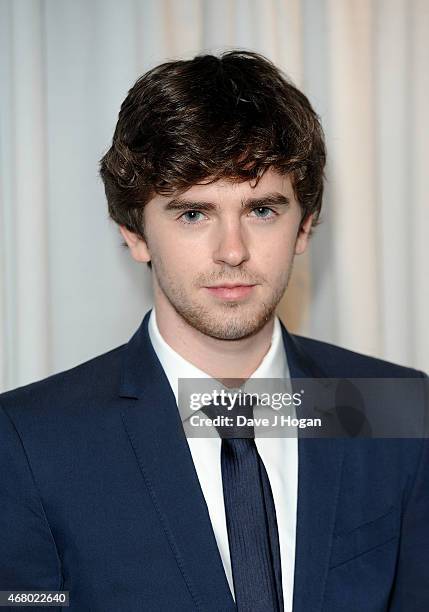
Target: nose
231,244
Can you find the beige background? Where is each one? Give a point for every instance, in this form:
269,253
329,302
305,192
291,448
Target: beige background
69,292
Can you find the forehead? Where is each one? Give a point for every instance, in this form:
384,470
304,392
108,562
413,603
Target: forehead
223,189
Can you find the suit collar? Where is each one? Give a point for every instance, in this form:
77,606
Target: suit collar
140,364
301,363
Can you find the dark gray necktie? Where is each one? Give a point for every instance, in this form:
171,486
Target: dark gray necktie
250,518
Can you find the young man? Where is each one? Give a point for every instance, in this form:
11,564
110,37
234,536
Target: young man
215,178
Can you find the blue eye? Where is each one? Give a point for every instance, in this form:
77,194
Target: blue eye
191,216
263,212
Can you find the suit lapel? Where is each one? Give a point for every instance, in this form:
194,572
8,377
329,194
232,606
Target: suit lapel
319,472
153,424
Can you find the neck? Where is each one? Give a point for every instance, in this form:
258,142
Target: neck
220,359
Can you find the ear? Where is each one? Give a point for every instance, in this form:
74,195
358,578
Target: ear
303,235
138,247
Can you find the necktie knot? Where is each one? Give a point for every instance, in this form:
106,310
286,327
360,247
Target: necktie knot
235,416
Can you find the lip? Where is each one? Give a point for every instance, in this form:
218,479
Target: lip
229,291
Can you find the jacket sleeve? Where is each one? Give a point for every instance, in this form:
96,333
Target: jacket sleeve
411,589
28,554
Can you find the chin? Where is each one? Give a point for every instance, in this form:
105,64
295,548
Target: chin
230,326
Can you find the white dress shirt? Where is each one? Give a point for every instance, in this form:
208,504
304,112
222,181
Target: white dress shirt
280,457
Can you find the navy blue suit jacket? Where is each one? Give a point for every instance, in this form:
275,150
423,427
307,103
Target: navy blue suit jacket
99,496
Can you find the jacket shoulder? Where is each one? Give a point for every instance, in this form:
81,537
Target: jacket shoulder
338,362
96,378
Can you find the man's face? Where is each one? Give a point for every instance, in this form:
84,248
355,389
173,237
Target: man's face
222,253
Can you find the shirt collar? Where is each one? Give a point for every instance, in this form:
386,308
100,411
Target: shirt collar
273,365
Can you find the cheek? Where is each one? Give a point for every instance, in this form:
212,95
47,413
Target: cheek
175,264
275,264
278,254
162,249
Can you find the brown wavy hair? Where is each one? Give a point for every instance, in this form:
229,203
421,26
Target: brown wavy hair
230,117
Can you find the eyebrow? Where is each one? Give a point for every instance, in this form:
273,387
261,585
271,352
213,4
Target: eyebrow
270,199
